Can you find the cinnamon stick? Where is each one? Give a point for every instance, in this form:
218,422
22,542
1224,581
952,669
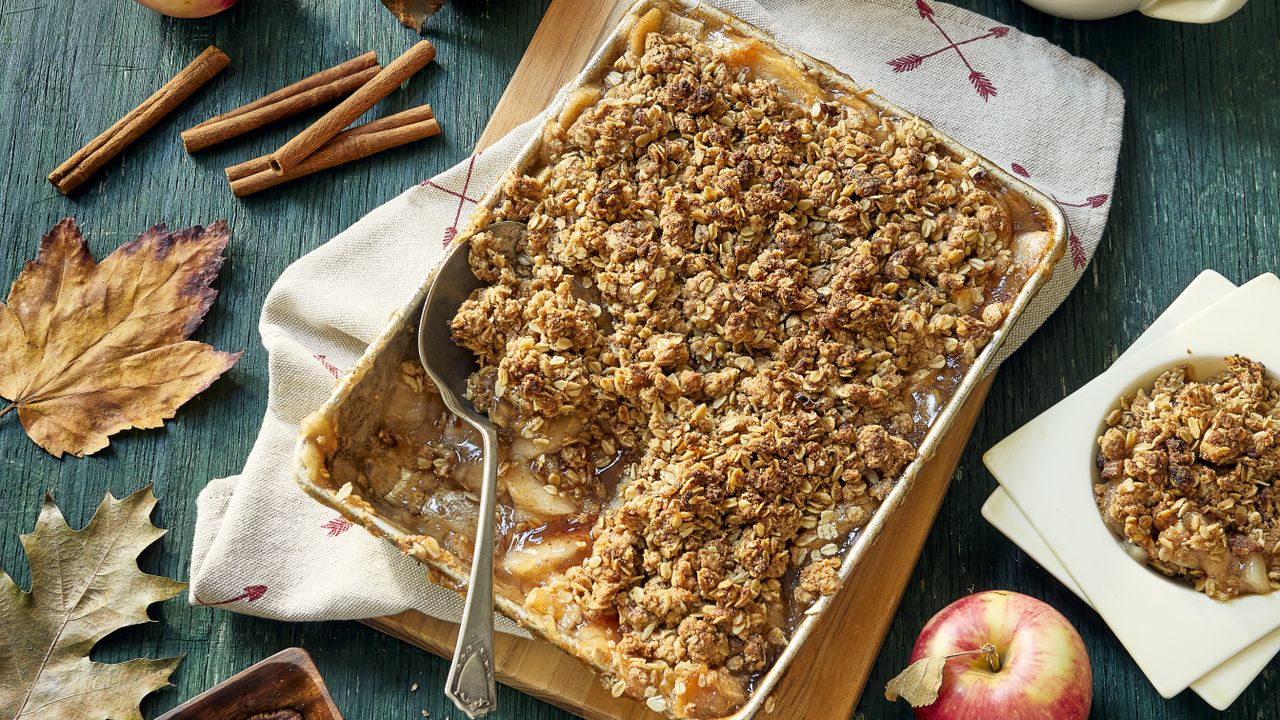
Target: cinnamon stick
90,158
325,86
361,141
308,141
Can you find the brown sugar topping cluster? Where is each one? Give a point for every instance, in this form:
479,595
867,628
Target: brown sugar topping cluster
1187,470
747,307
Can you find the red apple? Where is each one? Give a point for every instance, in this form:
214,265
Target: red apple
187,8
1043,669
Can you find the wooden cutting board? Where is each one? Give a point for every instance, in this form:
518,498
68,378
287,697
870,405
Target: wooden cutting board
826,679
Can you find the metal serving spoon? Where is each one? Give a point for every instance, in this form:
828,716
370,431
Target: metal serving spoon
470,684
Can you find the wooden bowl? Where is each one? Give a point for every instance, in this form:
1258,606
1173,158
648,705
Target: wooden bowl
287,680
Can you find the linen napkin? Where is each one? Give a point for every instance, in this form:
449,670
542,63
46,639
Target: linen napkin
1027,105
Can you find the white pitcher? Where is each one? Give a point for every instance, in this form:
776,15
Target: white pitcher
1191,11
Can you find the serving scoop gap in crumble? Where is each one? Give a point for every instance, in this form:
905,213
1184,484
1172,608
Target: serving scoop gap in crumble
744,295
1186,471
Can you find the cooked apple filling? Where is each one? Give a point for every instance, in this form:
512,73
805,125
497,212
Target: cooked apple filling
735,314
1187,469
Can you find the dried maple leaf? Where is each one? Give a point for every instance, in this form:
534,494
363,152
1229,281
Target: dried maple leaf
919,683
89,349
413,13
85,585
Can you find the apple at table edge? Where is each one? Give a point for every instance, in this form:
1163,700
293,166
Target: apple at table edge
1044,671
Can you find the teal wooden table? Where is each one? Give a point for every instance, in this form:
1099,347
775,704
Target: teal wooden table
1199,187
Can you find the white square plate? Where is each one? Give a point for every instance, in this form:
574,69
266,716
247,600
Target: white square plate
1047,469
1225,683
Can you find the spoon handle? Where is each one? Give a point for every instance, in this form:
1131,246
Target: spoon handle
470,684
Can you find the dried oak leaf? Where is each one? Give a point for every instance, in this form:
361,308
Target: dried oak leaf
413,13
89,349
919,683
85,585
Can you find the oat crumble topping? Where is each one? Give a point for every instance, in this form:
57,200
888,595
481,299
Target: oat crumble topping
735,314
1186,472
753,301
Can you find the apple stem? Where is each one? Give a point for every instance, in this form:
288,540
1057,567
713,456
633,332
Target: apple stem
993,657
987,651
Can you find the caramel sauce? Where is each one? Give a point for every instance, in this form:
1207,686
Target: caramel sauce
764,62
930,399
710,700
532,544
571,537
1024,216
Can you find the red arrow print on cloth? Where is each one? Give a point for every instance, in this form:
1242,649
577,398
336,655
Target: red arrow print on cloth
452,231
1078,256
914,60
1093,202
981,83
333,369
250,594
337,526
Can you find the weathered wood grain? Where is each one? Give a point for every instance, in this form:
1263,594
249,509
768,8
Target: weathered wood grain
567,35
1199,187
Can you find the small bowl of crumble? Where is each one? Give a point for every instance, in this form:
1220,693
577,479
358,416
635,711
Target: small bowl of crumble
1152,484
1185,471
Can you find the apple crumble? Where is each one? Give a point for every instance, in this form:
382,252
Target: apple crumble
743,296
750,304
1187,469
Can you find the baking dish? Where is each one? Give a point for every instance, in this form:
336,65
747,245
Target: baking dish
326,470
